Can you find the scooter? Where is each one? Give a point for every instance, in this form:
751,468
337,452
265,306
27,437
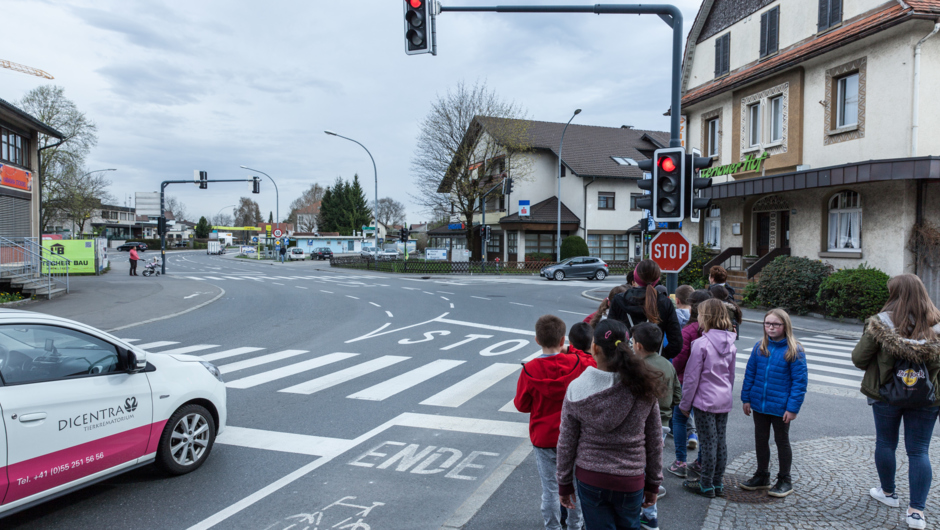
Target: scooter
151,268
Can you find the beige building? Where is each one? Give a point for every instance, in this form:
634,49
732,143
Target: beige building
820,116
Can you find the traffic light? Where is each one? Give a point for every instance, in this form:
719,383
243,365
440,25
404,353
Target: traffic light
419,26
645,202
667,203
161,225
507,186
487,233
201,178
256,184
694,184
403,234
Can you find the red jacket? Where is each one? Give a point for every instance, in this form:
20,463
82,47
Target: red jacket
585,357
689,333
541,392
133,254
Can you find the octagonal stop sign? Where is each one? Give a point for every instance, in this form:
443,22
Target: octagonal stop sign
671,250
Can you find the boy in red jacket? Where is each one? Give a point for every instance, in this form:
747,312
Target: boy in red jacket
541,392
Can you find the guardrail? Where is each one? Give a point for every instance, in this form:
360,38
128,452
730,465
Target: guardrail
461,267
759,265
26,258
729,258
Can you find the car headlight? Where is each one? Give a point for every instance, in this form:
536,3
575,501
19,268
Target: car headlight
213,370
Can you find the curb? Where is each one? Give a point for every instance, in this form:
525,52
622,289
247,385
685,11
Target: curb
16,303
164,317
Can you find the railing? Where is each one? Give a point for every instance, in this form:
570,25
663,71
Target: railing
759,265
25,257
461,267
729,258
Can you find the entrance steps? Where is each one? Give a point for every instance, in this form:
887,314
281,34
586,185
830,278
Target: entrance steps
738,280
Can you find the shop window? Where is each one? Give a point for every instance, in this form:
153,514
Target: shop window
14,148
713,227
776,119
605,200
594,245
512,239
769,23
541,243
723,55
830,14
753,125
712,137
847,102
845,222
493,245
633,198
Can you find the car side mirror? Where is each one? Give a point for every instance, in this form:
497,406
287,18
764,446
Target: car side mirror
136,361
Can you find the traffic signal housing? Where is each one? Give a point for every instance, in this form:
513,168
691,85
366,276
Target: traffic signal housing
161,225
507,186
419,26
695,204
667,187
403,234
201,178
256,184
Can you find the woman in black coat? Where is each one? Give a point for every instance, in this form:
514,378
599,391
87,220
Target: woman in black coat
644,304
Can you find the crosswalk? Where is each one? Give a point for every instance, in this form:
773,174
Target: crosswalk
828,360
326,279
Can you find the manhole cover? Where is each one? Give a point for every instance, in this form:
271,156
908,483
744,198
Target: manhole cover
733,493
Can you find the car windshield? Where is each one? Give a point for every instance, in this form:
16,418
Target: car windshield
297,251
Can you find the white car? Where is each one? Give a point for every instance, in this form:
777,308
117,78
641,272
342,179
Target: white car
80,405
295,253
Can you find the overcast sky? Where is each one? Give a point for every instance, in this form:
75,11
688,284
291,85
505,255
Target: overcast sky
181,85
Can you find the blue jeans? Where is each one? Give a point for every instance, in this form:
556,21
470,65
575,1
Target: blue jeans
680,434
918,428
610,510
652,512
546,460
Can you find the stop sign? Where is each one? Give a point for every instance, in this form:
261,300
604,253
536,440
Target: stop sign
671,250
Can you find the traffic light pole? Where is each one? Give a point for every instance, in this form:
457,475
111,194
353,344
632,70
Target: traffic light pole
163,186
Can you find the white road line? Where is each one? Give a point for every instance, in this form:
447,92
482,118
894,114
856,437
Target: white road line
389,313
342,376
443,320
843,354
397,384
289,370
258,361
458,394
275,283
517,303
214,278
299,287
233,278
375,304
229,353
811,342
445,292
411,288
480,297
351,296
327,292
823,368
445,298
533,356
158,344
572,312
131,340
746,338
451,305
510,407
824,378
831,340
284,442
428,292
195,278
191,349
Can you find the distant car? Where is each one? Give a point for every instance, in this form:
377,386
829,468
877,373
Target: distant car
296,253
370,253
321,253
126,247
367,252
581,267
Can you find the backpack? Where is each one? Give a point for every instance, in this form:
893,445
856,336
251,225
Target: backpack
909,386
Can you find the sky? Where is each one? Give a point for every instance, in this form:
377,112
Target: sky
211,85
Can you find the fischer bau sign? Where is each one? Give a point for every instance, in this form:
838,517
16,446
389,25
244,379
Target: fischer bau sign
671,250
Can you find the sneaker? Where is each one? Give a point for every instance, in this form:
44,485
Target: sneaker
696,467
914,520
781,489
662,493
719,491
879,495
648,523
696,487
679,469
760,481
693,441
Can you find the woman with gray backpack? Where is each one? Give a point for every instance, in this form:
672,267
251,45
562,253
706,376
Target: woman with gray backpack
900,353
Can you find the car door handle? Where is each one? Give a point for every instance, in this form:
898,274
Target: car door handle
36,416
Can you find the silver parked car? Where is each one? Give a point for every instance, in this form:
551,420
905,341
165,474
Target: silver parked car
581,267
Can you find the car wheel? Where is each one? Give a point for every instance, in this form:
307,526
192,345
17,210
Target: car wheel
559,275
600,275
187,440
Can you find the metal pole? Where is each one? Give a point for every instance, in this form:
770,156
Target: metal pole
558,220
162,233
375,206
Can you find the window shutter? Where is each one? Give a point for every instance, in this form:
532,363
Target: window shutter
823,15
763,34
726,54
718,55
835,12
773,23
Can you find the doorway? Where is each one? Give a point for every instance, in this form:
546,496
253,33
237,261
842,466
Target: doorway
763,233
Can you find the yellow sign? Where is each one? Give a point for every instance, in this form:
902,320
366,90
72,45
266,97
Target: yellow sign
255,228
80,252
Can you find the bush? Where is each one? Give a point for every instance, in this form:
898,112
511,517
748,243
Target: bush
751,295
574,246
537,256
792,283
693,274
854,293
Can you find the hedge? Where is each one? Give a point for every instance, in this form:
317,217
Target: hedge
792,283
693,274
574,246
854,293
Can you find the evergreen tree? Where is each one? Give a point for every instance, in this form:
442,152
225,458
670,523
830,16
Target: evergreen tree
270,216
202,228
325,219
359,210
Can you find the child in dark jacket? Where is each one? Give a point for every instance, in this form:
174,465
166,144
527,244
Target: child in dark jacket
774,386
541,392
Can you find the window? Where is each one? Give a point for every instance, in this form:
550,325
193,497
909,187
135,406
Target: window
769,23
512,239
845,222
712,140
723,55
44,353
594,245
776,119
605,200
633,198
493,245
609,246
830,14
564,171
713,227
847,102
14,148
753,125
540,243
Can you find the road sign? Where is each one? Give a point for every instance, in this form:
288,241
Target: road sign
254,239
523,208
277,232
671,250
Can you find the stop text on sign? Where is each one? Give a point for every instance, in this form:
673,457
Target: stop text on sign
671,250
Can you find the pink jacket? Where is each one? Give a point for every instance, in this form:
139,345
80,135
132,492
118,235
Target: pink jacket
689,333
709,375
133,254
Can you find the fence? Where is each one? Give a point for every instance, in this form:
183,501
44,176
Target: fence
460,267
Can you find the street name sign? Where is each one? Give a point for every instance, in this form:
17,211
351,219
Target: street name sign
671,250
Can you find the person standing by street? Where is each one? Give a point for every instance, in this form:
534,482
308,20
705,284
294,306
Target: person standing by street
774,387
900,353
133,257
644,304
718,275
283,252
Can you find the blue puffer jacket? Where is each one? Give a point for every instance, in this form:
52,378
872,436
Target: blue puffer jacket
771,384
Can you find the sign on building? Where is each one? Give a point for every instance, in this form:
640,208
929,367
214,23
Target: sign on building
435,254
147,203
16,178
80,252
523,208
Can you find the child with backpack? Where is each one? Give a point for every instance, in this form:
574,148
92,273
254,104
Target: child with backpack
774,386
708,387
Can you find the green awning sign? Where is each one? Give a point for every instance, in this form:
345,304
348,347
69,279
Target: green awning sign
747,165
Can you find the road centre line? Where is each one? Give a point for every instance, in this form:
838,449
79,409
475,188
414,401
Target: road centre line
351,296
327,292
445,298
428,292
517,303
375,304
275,283
445,292
480,297
389,313
451,305
299,287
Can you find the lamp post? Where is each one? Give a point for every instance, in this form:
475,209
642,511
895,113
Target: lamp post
375,205
277,197
558,224
224,207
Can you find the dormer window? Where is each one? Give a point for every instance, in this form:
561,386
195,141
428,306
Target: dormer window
723,55
830,14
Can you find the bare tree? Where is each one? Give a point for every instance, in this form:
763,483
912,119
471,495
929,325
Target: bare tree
469,141
390,212
247,213
176,207
304,209
76,194
49,105
222,219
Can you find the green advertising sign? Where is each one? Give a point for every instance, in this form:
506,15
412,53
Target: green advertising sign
80,252
748,164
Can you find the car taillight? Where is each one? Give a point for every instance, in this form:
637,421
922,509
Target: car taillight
606,266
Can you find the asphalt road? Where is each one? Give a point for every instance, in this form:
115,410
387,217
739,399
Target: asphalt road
386,399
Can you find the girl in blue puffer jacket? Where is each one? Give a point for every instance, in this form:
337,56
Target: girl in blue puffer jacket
774,386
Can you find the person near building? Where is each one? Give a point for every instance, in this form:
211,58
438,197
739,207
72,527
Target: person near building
132,258
611,435
900,353
775,381
283,252
644,303
718,275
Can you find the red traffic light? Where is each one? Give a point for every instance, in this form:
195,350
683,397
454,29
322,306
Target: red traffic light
667,164
416,3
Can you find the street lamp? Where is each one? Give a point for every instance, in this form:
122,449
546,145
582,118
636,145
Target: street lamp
375,205
558,225
224,207
277,197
